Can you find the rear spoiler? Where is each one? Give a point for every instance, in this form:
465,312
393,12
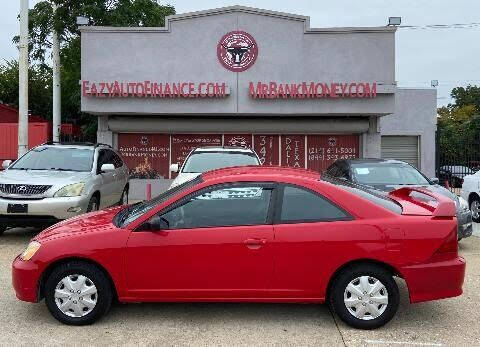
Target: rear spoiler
412,206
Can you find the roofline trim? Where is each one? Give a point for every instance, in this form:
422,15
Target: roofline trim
239,9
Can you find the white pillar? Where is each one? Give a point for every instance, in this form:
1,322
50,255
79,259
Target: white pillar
23,80
57,97
373,139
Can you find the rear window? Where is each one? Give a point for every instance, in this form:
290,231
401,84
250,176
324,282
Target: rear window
378,198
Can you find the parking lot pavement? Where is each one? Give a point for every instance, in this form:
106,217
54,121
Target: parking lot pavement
447,322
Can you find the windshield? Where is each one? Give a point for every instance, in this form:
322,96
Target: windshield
56,158
131,213
205,161
387,174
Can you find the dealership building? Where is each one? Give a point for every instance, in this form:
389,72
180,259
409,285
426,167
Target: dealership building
299,96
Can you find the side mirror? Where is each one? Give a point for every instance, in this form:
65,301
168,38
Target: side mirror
6,164
435,180
107,168
156,223
174,168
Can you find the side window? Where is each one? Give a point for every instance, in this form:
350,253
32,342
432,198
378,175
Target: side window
117,161
344,172
301,205
333,171
240,205
102,157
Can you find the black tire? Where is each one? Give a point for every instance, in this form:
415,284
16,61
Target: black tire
2,229
477,200
93,204
95,275
337,290
124,194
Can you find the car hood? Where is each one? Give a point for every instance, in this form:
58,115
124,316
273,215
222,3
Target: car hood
42,177
183,177
86,223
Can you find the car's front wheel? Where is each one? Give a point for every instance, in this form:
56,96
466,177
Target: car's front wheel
93,204
364,296
78,293
475,208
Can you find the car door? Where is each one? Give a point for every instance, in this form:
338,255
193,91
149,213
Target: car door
216,243
108,186
305,222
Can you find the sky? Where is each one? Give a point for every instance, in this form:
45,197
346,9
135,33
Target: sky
450,55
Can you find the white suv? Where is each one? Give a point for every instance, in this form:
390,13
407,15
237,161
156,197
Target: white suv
55,181
205,159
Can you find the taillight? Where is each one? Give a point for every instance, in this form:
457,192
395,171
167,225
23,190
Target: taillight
450,244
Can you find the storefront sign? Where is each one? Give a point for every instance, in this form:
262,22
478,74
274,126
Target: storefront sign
144,89
324,150
266,147
308,90
237,51
293,151
146,155
150,155
238,140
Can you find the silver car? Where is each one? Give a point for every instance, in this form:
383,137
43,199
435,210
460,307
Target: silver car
54,181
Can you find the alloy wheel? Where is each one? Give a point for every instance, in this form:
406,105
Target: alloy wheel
475,208
366,298
76,295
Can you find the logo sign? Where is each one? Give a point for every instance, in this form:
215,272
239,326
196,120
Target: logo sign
332,141
237,51
22,189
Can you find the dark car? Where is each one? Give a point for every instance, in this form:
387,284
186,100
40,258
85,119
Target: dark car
387,175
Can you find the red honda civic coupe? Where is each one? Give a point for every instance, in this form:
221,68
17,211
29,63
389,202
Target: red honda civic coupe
250,234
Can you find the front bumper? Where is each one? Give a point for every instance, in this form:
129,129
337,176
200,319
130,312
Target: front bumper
465,228
25,276
436,280
44,210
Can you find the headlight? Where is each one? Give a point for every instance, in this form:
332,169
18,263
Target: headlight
30,251
463,203
70,190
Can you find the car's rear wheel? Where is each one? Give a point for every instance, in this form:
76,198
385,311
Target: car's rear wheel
124,197
93,204
364,296
475,208
78,293
2,229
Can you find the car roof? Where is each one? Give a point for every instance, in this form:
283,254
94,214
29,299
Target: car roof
223,149
79,145
257,170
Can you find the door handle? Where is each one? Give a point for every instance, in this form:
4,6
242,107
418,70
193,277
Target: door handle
254,243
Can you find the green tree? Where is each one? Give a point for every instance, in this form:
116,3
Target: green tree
458,128
42,21
39,87
466,96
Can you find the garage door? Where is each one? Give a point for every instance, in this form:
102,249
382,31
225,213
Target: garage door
403,148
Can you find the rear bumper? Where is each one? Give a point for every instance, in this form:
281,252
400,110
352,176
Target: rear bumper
433,281
25,276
